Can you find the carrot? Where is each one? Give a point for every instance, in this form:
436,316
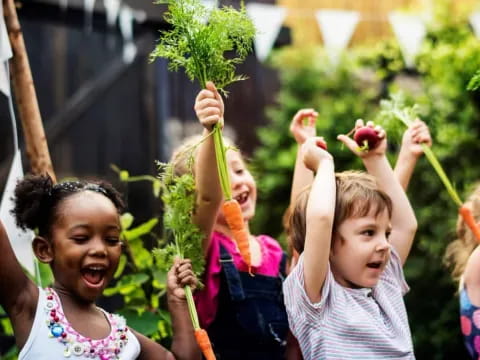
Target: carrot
203,342
234,218
467,216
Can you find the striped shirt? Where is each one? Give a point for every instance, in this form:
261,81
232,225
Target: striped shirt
351,323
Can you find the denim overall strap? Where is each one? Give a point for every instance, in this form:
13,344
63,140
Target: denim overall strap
232,275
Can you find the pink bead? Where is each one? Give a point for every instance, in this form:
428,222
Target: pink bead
466,325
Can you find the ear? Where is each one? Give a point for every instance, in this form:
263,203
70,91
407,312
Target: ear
43,249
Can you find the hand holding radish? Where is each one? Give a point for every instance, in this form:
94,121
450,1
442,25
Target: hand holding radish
313,152
302,126
209,106
416,135
368,140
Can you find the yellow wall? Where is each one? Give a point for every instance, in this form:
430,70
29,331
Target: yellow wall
373,23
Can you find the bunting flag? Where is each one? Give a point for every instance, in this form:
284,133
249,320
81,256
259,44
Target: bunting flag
475,22
5,54
112,8
268,20
126,28
410,31
337,27
21,240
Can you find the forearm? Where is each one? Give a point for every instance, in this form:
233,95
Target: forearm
184,345
302,177
319,224
404,223
404,167
208,190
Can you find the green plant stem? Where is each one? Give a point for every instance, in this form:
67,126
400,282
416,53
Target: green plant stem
191,307
220,154
438,168
404,118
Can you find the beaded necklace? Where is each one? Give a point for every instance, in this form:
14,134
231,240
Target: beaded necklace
76,344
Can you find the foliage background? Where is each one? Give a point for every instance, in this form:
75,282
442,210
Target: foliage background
450,57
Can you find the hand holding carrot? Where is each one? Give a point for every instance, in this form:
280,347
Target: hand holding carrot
302,126
209,106
416,135
313,152
378,150
179,276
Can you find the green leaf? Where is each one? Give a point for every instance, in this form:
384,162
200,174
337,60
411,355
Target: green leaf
145,323
126,220
121,266
140,230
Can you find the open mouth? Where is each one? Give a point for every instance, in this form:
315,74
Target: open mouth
94,275
242,198
375,265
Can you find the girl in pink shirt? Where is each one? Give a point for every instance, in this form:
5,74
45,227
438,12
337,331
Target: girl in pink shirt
244,315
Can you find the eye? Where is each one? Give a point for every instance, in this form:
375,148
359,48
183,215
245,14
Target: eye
368,232
113,240
79,238
387,234
239,171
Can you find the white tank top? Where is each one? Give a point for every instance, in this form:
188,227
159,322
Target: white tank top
53,338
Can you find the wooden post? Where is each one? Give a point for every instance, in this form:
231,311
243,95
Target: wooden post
26,98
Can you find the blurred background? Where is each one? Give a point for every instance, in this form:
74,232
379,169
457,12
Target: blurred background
103,102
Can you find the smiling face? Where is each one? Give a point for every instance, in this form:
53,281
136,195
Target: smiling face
244,189
361,249
86,244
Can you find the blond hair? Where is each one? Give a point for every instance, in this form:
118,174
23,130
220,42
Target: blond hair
183,157
458,252
356,195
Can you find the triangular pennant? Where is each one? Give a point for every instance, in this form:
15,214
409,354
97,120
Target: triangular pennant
112,8
268,20
337,27
410,31
21,240
475,21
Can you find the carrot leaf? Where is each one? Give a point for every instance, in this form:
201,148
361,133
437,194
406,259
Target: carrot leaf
474,83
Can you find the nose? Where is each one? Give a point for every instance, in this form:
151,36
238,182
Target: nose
98,247
383,244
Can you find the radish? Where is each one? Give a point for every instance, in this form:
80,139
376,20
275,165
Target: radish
366,137
322,144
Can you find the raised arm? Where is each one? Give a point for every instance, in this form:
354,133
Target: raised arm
18,294
404,223
209,109
411,150
319,217
302,127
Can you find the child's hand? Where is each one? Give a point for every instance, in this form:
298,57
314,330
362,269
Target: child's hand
416,135
179,276
313,152
380,149
300,129
209,106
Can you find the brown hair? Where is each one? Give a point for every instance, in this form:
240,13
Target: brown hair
357,194
458,252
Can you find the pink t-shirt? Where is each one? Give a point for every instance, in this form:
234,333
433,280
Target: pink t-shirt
206,300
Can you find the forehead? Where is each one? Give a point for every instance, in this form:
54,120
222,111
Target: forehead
87,205
381,219
234,157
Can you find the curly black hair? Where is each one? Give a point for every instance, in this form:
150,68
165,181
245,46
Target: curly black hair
37,199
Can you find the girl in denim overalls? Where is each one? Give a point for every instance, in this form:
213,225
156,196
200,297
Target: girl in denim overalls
244,315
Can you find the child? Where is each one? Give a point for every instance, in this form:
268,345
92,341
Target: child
244,315
78,227
354,231
464,256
